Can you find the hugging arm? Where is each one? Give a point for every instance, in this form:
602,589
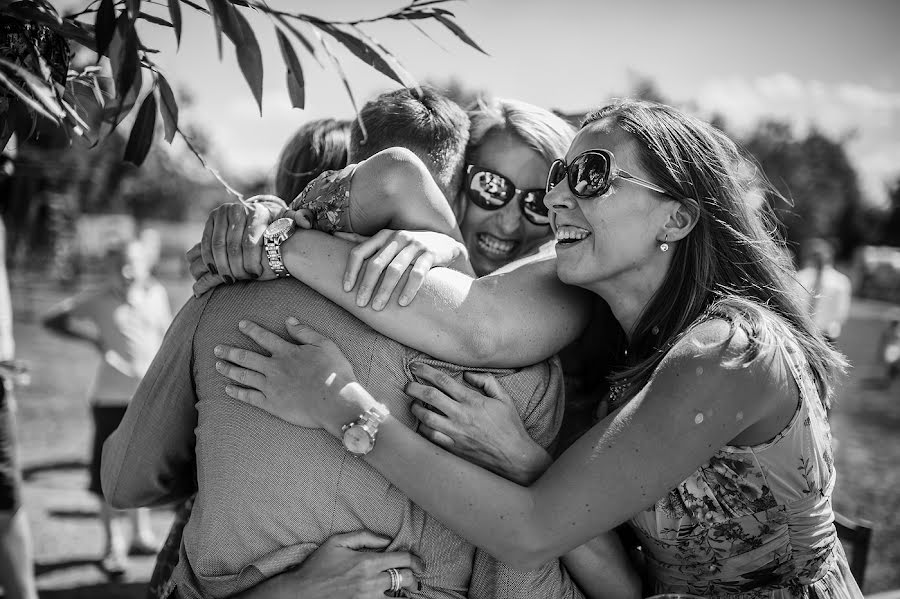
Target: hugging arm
149,459
622,465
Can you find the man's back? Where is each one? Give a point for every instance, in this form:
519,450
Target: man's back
268,493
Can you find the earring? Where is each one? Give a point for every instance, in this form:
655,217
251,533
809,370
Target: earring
664,246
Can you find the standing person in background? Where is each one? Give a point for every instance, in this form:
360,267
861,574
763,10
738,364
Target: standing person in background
126,320
829,290
16,568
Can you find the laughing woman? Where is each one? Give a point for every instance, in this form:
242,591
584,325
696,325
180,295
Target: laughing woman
717,451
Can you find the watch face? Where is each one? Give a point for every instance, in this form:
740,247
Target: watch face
357,440
279,227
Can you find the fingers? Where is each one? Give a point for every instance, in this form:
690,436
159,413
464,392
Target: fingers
235,235
242,357
219,243
361,253
436,436
304,334
205,283
374,268
393,559
197,267
251,243
488,384
393,273
265,338
244,376
303,218
416,278
432,397
443,381
360,539
250,396
206,243
407,580
193,253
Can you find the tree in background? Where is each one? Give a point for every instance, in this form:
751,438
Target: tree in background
816,178
891,227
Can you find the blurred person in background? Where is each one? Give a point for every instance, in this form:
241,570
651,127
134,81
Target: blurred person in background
125,319
317,146
829,290
16,567
889,348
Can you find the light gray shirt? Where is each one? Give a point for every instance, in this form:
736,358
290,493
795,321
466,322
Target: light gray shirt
269,493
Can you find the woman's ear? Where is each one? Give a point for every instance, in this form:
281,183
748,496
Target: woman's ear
683,216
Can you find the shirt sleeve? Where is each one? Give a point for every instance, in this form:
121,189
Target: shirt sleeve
149,459
328,198
492,579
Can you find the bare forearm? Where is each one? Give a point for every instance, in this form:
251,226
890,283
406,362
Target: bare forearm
507,320
602,569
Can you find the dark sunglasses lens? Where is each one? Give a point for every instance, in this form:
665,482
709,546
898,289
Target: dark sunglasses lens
490,190
589,175
557,173
534,208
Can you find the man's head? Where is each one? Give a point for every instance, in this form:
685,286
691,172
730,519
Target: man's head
129,262
424,121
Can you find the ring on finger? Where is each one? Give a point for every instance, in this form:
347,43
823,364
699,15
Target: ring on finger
396,579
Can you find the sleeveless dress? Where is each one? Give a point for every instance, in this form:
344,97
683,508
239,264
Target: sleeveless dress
755,521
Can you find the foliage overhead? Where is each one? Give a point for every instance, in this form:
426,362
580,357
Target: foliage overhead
36,82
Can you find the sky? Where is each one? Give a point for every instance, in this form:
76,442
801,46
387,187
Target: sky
832,64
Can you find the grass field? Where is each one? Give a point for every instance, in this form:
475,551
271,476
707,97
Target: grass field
55,432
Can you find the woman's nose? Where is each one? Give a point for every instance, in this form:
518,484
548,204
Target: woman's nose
509,217
559,198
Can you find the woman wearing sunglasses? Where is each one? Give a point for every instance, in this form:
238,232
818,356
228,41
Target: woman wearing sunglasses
717,451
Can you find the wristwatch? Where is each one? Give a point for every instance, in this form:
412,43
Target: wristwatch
276,233
359,435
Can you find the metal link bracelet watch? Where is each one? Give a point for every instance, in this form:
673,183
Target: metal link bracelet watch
359,435
276,234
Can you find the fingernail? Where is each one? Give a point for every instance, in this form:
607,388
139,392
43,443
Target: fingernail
348,284
418,585
403,300
228,279
415,367
253,275
378,304
218,350
242,324
362,301
229,389
212,268
220,366
292,321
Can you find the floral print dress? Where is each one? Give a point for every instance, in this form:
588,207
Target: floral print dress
755,522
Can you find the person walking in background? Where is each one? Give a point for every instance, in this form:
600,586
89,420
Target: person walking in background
829,290
126,319
16,568
889,349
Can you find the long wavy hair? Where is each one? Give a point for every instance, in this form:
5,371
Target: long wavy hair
731,265
317,146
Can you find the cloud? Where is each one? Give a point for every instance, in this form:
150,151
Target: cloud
868,118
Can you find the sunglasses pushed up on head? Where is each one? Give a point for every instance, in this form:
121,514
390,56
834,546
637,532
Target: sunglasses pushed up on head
591,173
489,190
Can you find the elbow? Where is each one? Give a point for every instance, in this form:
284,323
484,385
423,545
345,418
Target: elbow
526,551
483,343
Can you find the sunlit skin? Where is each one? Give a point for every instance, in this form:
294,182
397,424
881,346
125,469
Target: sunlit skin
496,237
620,259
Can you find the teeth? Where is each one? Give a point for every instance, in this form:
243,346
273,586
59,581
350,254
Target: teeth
493,245
570,233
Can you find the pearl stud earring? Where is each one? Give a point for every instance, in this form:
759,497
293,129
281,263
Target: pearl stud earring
664,246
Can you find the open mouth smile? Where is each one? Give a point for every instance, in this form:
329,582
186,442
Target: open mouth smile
495,247
570,235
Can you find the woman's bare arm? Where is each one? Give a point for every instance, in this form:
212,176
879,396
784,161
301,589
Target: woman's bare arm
511,319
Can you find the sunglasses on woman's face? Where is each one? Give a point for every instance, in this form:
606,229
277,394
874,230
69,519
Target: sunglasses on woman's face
490,190
591,173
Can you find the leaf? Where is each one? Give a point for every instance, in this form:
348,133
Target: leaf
249,57
72,30
105,25
363,51
225,19
40,90
123,55
340,70
217,24
306,44
175,15
168,107
406,76
142,133
155,20
294,73
457,30
34,105
133,8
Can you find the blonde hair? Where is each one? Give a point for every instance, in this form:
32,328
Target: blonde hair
541,130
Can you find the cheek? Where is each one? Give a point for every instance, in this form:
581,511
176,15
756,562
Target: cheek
474,218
